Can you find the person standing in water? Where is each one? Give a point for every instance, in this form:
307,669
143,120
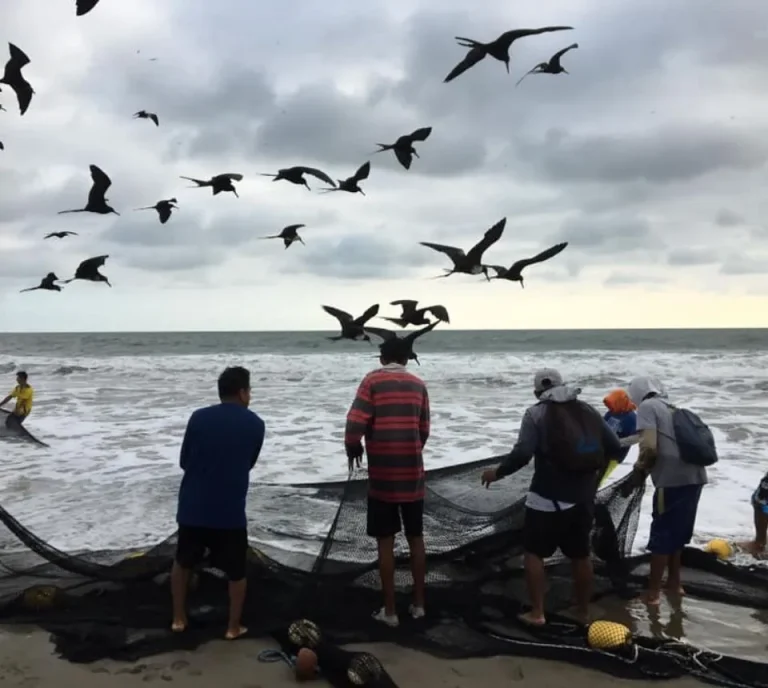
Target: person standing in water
391,411
24,395
757,547
221,445
622,419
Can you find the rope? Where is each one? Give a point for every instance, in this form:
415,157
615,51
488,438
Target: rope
271,656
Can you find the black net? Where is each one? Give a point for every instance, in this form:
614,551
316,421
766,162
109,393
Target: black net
116,604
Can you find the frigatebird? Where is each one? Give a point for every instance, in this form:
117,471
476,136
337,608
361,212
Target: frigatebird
551,67
498,48
515,272
163,208
59,235
14,78
351,183
295,175
409,339
470,263
403,147
97,201
47,284
417,316
84,6
88,270
219,183
2,147
289,234
351,328
143,114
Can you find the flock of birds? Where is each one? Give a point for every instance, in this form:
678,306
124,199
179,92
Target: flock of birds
354,328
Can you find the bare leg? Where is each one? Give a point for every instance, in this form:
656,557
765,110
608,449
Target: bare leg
387,573
237,590
179,585
582,586
418,569
659,563
536,579
761,530
674,574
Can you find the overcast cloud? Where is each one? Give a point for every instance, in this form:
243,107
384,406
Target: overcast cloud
649,158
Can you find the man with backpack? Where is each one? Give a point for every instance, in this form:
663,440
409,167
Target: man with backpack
571,446
675,448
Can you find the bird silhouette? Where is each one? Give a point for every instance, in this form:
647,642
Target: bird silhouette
295,175
88,270
84,6
2,147
351,183
498,49
46,284
163,208
514,273
403,147
289,234
13,77
416,316
2,108
59,235
97,201
470,263
143,114
219,183
409,339
551,67
351,328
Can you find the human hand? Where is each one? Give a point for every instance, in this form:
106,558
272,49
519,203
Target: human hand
636,479
488,477
355,455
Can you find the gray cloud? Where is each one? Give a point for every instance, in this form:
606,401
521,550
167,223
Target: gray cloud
692,256
728,218
607,234
621,279
744,265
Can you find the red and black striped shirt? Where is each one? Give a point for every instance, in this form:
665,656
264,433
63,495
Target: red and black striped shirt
391,410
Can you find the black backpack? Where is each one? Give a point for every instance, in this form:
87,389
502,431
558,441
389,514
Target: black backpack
574,437
694,439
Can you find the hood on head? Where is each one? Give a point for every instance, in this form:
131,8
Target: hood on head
618,401
560,394
641,387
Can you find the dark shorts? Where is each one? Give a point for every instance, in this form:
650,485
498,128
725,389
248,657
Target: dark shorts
673,518
385,519
760,495
228,549
14,420
568,529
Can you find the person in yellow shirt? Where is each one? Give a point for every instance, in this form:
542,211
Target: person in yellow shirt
24,394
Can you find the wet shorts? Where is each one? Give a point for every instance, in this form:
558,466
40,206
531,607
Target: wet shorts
760,495
674,515
14,420
385,519
228,549
568,529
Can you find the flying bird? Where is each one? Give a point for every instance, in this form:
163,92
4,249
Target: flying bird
498,49
351,328
403,147
59,235
13,77
163,208
408,339
295,175
551,67
219,183
351,183
143,114
2,109
47,284
515,272
470,263
89,270
417,316
2,147
97,201
84,6
288,235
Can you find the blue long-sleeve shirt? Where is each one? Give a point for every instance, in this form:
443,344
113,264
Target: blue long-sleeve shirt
624,425
220,447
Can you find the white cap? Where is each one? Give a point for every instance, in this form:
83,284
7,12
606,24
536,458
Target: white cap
546,378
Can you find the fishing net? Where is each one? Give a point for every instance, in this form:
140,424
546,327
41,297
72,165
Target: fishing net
116,604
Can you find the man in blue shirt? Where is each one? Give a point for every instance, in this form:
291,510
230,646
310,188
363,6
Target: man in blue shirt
220,447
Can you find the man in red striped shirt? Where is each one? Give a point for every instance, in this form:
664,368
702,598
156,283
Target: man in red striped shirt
391,410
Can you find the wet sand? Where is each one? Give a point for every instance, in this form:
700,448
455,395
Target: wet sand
27,659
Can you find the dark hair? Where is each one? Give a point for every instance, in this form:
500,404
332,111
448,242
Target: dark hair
395,350
22,374
233,381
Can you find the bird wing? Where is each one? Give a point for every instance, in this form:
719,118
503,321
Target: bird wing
291,229
420,134
164,211
381,332
555,59
101,182
532,71
199,182
362,173
413,336
92,264
452,252
18,59
49,236
551,252
155,119
488,240
72,233
404,157
408,305
509,37
84,6
23,92
322,176
230,175
438,312
340,315
365,317
498,269
470,60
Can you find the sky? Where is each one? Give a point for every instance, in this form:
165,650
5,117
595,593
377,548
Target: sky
650,158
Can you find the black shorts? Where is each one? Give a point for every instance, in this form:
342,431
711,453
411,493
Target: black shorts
568,529
14,420
386,518
228,549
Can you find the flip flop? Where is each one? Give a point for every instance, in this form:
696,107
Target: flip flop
526,619
240,633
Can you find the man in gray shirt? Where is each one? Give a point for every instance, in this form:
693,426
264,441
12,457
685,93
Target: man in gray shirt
678,485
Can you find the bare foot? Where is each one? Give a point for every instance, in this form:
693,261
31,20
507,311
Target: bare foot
530,619
652,599
234,634
179,625
675,590
756,549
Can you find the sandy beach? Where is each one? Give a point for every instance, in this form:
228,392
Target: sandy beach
27,659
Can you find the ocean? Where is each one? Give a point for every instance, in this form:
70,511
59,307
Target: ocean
113,408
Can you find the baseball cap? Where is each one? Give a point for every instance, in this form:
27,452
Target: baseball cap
546,378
